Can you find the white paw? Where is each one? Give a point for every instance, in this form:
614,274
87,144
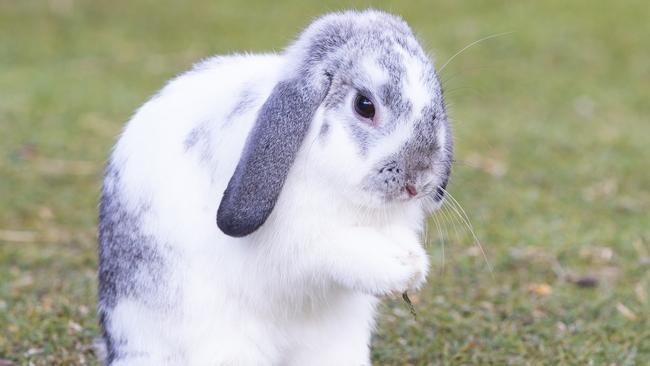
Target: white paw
404,266
379,263
411,271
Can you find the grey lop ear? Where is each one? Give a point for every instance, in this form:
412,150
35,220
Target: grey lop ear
284,120
271,148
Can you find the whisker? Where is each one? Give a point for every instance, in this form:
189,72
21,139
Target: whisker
470,45
442,241
445,224
426,237
447,216
450,217
459,209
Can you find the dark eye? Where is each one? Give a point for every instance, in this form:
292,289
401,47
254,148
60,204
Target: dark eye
364,107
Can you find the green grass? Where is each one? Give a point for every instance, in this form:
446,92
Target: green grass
553,145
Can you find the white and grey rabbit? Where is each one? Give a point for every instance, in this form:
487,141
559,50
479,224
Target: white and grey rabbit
320,165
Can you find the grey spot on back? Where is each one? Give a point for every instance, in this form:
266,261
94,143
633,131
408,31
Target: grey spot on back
245,103
193,137
199,141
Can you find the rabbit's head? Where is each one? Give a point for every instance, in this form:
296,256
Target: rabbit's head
362,83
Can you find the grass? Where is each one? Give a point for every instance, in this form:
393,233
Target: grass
552,132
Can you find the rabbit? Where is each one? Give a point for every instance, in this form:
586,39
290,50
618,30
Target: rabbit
257,209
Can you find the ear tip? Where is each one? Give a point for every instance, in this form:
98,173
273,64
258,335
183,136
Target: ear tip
232,224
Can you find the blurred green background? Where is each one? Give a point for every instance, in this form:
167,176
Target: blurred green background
552,130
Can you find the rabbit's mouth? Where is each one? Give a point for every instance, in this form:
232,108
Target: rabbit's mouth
395,182
429,193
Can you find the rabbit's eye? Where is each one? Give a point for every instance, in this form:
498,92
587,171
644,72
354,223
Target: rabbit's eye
364,107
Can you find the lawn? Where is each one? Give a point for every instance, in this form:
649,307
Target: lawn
552,128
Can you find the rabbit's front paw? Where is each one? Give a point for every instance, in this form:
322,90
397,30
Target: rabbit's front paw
408,270
377,262
391,268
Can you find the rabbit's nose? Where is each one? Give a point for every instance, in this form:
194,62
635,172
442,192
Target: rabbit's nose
410,188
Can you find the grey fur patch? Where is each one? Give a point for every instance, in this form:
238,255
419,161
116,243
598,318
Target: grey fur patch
361,135
392,93
126,257
324,129
389,179
246,102
199,140
337,96
193,137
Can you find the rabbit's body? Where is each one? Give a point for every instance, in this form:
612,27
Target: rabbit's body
301,289
205,293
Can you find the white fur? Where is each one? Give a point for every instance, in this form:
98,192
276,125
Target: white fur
301,290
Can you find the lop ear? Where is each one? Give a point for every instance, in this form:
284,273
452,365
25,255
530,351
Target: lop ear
284,120
271,148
